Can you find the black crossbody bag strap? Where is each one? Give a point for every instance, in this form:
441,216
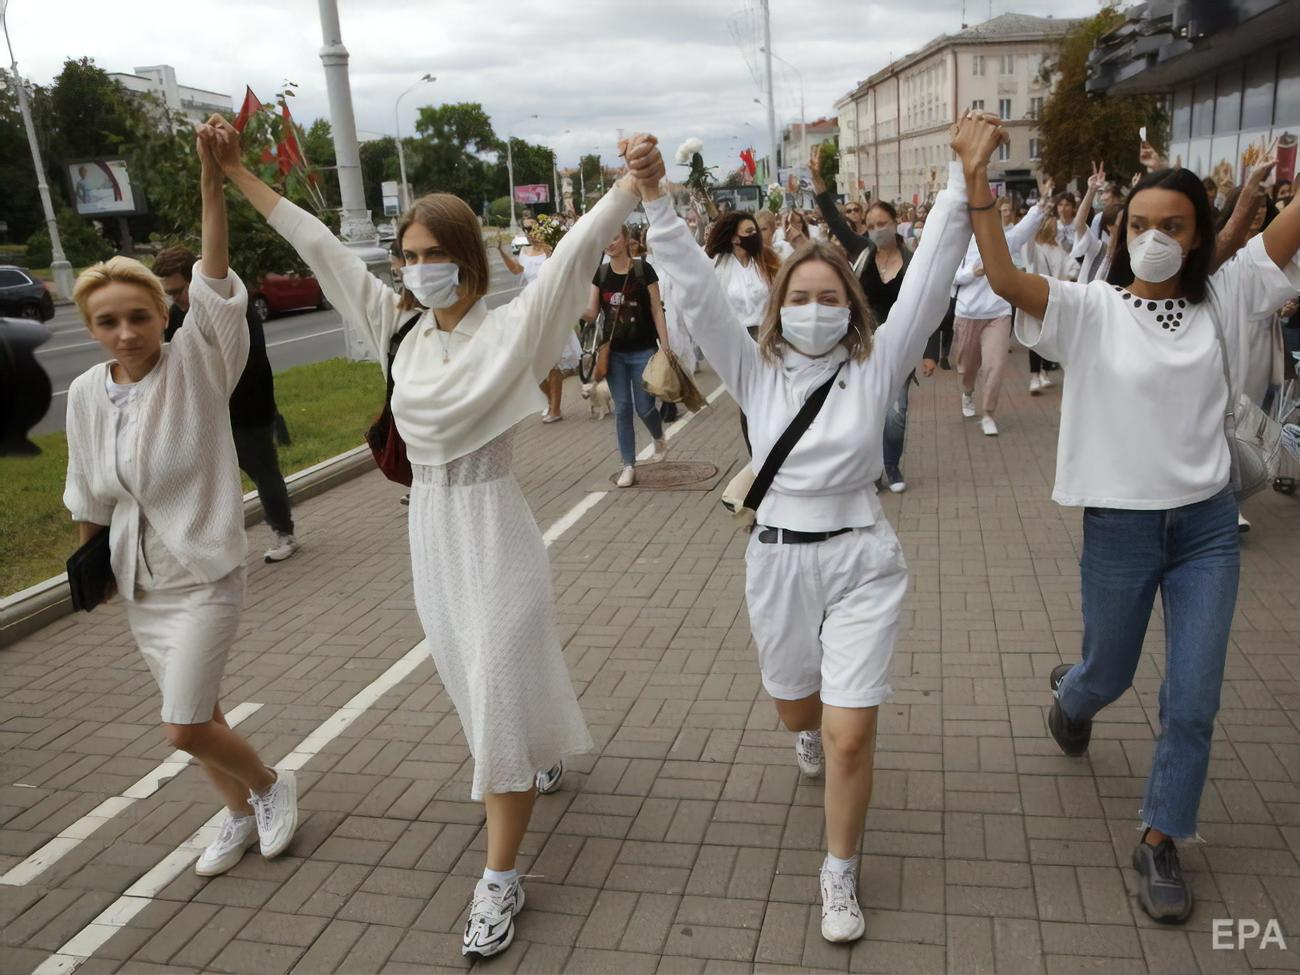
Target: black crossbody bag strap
781,450
393,344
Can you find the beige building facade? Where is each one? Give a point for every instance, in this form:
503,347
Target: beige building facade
894,125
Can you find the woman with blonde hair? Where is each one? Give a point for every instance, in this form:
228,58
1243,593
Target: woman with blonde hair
151,460
825,574
463,377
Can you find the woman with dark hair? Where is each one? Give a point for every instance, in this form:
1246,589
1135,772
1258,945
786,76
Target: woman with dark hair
463,378
744,267
825,574
1143,450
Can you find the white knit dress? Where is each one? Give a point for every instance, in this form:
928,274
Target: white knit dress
483,592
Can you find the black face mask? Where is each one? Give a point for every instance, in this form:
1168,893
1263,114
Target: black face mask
753,244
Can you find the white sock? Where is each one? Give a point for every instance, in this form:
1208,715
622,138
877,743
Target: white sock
500,877
836,865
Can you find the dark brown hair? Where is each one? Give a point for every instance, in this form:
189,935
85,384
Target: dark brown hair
861,322
175,260
457,231
724,229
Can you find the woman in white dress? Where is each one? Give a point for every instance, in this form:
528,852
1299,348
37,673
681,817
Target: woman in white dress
151,460
464,377
529,265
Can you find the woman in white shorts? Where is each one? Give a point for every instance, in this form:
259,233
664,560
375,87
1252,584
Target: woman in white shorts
825,575
151,460
464,377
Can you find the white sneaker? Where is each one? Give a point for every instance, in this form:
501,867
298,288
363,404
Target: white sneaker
627,478
1035,384
553,418
661,448
285,545
491,924
1044,381
808,753
548,780
968,405
277,813
841,916
237,834
988,426
1243,525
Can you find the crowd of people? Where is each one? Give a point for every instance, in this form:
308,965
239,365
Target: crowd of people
817,323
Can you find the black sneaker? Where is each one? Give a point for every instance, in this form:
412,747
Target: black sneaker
1162,889
1071,736
944,363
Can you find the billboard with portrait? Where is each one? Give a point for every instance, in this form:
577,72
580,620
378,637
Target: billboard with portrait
102,188
533,193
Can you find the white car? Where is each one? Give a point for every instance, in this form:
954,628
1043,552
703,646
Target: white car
518,244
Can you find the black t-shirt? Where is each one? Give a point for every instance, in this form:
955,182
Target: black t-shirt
881,295
252,404
626,304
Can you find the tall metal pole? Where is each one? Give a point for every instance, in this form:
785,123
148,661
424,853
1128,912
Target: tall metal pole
355,226
62,270
510,169
774,175
582,187
555,178
403,195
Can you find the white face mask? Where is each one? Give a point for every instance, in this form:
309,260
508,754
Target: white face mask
1154,256
433,285
814,329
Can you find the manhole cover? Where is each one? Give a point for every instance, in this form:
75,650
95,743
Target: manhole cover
671,474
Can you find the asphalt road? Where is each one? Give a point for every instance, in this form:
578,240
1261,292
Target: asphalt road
292,339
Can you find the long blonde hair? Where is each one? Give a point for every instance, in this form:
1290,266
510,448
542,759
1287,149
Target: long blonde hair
1047,232
861,322
126,270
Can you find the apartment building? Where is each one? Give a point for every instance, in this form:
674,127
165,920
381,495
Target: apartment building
894,126
197,104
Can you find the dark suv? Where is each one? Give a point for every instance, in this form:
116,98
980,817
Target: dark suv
24,296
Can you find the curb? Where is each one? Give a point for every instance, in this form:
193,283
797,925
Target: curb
28,610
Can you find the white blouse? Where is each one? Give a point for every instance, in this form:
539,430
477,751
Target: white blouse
827,482
1142,416
456,391
745,288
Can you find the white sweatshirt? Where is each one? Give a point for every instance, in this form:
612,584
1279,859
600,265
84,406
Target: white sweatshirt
1142,417
975,299
184,473
827,482
456,391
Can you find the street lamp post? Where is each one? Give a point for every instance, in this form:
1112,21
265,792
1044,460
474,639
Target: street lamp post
356,228
403,195
803,118
510,169
62,270
555,174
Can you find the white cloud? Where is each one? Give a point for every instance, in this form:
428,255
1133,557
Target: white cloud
666,66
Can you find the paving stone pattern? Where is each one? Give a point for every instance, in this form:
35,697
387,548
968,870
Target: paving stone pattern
688,842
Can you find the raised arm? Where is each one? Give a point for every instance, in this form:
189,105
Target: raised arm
854,243
1095,182
703,306
1023,232
977,138
923,296
1232,237
513,266
344,278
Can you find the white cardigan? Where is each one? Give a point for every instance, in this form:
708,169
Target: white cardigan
447,409
187,476
827,481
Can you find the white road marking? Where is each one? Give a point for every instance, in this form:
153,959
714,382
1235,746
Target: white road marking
299,338
82,945
71,837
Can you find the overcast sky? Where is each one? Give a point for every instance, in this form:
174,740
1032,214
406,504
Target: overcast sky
588,66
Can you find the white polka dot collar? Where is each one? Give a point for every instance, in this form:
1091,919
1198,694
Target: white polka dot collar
1168,313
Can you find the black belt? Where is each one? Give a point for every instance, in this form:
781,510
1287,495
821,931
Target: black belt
787,536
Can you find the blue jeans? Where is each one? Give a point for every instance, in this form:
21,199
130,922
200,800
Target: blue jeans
1193,556
625,389
896,426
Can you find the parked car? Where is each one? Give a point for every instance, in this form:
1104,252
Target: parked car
277,293
24,296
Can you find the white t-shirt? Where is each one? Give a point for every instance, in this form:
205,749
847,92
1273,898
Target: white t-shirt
1142,416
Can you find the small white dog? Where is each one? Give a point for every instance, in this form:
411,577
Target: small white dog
598,399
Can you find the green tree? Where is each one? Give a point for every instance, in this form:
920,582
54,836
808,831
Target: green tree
450,155
1077,127
317,143
83,244
20,205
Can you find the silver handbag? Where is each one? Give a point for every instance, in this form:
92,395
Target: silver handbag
1254,437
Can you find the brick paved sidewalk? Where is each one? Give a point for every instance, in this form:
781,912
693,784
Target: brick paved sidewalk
688,842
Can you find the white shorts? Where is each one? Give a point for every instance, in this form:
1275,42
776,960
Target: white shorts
825,615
